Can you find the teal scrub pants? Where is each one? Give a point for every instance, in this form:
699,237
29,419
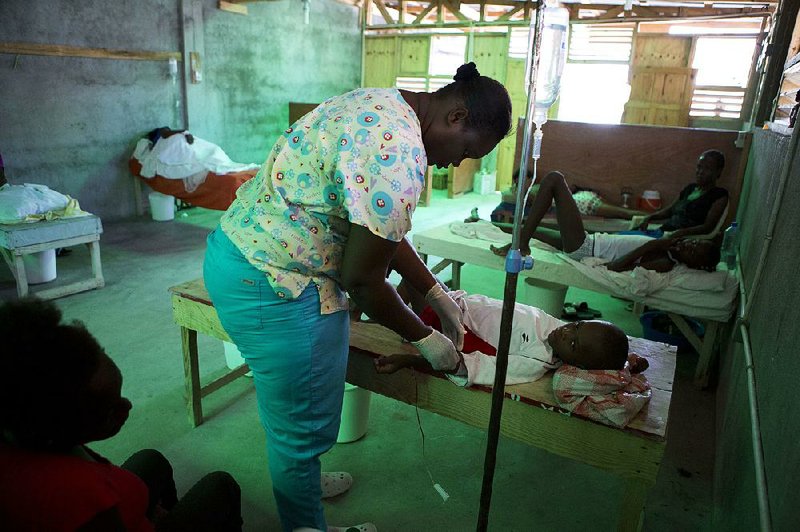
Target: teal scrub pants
298,358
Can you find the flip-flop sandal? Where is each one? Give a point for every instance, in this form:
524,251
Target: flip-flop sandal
334,484
587,313
570,313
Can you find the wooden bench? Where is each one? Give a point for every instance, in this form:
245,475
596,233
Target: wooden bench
530,413
17,240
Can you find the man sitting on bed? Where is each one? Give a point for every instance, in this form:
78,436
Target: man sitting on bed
624,252
593,353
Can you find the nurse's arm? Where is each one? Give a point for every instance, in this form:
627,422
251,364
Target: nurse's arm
412,269
363,274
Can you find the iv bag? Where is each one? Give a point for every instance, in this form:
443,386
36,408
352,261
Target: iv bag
552,56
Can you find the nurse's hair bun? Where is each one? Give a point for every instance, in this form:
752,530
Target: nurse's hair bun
467,72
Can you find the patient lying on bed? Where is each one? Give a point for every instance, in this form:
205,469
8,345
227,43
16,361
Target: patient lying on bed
595,375
176,163
624,252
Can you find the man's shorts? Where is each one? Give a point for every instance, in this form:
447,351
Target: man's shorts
586,249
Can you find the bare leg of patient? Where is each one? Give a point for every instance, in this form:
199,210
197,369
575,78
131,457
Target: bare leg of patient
606,210
570,225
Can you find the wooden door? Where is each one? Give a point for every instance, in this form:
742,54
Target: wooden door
660,96
380,59
662,82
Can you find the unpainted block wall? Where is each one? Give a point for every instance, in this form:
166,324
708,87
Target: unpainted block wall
775,336
71,122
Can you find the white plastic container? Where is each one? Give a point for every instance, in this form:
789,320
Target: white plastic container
484,183
40,267
552,57
546,296
355,414
233,358
162,207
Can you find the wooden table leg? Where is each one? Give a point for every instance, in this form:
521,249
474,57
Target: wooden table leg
191,370
631,515
22,277
707,352
97,266
456,282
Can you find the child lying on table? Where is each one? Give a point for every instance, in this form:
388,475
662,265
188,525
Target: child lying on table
624,252
595,375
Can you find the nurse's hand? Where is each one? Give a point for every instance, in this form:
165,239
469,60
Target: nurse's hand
449,313
437,349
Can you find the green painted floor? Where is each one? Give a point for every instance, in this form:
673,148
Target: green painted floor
393,466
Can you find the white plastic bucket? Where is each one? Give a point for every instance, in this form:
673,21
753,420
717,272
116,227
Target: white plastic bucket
162,207
547,296
40,267
355,414
233,357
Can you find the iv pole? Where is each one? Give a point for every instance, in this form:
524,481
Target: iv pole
514,264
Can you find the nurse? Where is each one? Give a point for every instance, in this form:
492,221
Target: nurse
327,216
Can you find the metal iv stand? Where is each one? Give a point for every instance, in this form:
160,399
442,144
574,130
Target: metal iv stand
515,263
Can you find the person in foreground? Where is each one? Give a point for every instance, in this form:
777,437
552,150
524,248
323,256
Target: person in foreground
326,215
591,351
623,252
59,391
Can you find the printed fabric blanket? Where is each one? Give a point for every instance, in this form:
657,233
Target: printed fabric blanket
611,397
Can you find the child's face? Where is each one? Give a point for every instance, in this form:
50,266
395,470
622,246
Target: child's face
107,410
584,344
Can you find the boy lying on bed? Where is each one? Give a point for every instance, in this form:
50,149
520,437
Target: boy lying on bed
595,375
624,252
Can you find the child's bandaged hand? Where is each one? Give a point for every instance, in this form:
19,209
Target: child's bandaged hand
449,313
437,349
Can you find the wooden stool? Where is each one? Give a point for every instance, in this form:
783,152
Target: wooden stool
17,240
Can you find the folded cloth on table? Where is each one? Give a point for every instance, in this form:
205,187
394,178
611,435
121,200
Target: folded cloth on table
482,230
32,202
611,397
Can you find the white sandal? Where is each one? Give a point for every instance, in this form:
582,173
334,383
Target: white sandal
334,484
363,527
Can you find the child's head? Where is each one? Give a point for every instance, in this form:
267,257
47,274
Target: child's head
591,344
697,253
58,388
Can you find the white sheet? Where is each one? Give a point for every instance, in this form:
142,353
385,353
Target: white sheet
707,295
33,202
174,158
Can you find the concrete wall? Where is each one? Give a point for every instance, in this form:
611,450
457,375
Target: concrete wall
71,122
774,340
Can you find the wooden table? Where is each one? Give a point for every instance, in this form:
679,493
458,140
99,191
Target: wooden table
17,240
530,413
549,271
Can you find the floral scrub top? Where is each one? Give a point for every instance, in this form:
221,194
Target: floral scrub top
357,157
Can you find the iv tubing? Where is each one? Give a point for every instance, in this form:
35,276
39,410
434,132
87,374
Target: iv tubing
509,296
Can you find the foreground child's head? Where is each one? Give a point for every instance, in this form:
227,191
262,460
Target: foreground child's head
58,388
591,344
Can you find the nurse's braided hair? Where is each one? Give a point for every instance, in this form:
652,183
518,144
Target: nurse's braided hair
45,369
486,100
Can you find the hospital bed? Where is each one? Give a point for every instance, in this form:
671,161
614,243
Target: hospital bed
217,192
554,271
530,412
